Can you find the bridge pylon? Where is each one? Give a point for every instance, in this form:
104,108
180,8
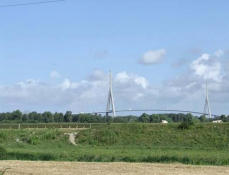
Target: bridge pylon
110,101
207,109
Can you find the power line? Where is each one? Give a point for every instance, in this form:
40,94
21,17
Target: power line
30,3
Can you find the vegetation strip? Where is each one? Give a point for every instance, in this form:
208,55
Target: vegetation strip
205,144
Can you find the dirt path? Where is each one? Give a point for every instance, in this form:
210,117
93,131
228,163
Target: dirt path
72,137
75,168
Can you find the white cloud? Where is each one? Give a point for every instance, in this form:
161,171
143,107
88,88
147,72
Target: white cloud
97,75
141,81
54,74
123,78
219,53
153,56
66,84
186,91
86,95
208,68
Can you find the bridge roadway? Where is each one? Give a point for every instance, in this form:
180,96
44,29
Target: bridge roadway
155,110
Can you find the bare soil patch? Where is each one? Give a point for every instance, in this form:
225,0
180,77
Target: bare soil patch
72,137
73,168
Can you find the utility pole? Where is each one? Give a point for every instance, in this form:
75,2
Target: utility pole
110,101
207,109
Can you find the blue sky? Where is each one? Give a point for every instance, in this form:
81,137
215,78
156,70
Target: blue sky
77,39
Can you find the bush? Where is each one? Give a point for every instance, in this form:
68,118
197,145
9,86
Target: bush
187,123
184,125
33,140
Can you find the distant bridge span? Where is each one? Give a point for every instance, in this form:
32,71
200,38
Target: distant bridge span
155,110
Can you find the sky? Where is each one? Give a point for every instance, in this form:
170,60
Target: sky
56,57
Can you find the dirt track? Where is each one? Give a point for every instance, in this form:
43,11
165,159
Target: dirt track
74,168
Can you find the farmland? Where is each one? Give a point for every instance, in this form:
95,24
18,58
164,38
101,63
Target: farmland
72,168
204,143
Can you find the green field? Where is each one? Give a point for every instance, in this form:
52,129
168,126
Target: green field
201,144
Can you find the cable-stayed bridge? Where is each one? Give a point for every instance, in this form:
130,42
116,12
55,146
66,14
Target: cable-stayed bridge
110,104
154,110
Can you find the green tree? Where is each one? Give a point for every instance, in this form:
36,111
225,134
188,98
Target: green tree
58,117
24,117
16,115
203,118
68,116
223,118
144,118
47,117
187,122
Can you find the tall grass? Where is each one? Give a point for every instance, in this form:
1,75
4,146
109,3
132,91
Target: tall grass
200,144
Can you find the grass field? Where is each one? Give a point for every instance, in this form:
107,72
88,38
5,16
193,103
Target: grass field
205,144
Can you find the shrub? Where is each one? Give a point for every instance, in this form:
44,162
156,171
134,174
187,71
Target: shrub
184,125
33,140
50,135
187,123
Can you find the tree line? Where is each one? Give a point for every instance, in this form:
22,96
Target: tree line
49,117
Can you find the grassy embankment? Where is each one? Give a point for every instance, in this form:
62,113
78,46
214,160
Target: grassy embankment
201,144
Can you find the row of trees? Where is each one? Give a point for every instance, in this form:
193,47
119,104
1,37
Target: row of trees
180,117
48,117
